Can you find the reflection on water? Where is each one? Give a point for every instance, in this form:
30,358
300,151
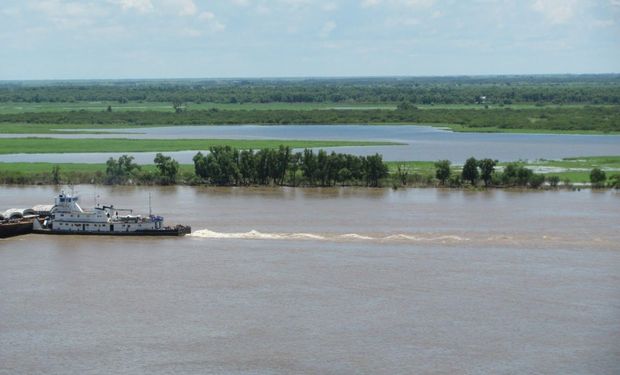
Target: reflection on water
421,142
366,280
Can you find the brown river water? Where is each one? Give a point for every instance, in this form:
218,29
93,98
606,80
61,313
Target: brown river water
320,281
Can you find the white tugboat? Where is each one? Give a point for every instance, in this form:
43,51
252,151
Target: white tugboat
67,217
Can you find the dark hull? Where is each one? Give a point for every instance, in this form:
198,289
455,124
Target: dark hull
166,232
15,229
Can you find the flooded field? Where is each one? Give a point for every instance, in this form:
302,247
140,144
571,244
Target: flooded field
280,281
419,142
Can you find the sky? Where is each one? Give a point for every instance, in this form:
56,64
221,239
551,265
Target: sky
119,39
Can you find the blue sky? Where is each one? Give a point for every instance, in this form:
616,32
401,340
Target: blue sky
69,39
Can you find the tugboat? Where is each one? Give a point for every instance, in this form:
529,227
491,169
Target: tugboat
67,217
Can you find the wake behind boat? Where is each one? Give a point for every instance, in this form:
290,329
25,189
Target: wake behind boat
67,217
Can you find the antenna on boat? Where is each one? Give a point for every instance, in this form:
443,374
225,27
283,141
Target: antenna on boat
150,212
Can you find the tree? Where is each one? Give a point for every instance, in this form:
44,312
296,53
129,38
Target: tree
178,106
536,180
309,165
442,171
597,177
200,166
402,172
470,171
487,168
247,167
56,174
554,181
293,167
282,161
120,171
375,169
222,165
168,168
344,175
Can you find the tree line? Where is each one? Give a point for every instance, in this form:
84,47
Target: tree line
605,119
228,166
558,89
483,172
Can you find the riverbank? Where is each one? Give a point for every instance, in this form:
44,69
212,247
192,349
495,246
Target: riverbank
58,145
571,119
569,172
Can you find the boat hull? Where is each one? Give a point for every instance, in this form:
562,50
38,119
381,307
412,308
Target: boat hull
166,232
15,229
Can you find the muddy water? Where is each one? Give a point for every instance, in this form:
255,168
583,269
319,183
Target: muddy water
321,281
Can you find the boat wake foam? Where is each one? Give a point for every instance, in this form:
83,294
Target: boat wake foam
256,235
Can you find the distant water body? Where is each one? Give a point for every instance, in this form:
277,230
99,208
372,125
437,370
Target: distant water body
320,281
420,142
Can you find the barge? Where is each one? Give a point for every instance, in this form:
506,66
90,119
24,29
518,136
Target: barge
16,227
68,218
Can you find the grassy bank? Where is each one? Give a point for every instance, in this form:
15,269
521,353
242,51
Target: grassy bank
420,173
570,119
101,106
54,145
573,170
13,108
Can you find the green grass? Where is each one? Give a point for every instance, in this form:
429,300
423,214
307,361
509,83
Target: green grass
512,106
62,128
578,169
52,145
582,162
90,129
38,168
12,107
421,167
464,129
6,108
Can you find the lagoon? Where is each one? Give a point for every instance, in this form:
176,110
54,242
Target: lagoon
421,142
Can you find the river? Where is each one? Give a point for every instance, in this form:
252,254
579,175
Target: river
325,281
419,142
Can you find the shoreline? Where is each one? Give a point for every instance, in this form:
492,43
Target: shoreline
568,171
34,129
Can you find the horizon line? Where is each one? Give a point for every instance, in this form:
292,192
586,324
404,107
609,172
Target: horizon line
310,77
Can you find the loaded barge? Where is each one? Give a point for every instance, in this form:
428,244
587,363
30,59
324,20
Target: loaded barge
17,221
15,227
67,217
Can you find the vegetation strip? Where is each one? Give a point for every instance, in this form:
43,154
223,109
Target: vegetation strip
56,145
300,169
589,119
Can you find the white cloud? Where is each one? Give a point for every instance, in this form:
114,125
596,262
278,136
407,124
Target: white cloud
370,3
401,3
206,16
186,7
11,12
212,21
556,11
327,29
68,14
142,6
329,7
189,32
